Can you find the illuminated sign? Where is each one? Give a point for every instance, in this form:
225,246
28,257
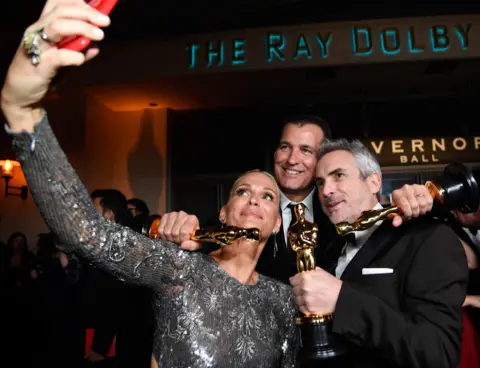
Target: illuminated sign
336,43
390,39
432,150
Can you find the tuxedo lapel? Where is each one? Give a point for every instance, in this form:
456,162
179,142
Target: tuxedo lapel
326,230
281,238
462,234
327,256
317,207
381,239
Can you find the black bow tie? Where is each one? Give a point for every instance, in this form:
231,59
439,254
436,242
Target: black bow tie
335,250
350,238
473,230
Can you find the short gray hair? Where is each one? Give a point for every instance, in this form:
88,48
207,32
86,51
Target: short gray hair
367,162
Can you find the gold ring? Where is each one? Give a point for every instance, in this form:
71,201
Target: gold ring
31,44
420,195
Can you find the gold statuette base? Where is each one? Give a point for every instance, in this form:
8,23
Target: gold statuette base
313,319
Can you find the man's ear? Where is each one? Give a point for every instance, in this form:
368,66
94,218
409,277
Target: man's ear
374,183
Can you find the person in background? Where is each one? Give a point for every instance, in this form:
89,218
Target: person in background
108,298
18,286
61,332
141,328
467,228
140,213
137,207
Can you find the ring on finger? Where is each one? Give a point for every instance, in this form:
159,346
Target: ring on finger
44,36
419,195
31,44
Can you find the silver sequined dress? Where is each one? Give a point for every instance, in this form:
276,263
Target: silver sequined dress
204,317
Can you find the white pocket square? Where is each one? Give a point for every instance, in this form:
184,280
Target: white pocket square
376,271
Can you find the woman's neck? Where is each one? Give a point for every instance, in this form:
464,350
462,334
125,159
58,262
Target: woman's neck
239,260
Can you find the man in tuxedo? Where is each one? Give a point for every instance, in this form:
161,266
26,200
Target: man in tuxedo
467,228
396,292
295,160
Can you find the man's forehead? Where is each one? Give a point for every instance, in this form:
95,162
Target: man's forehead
335,160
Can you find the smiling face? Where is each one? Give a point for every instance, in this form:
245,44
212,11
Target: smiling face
295,159
343,192
253,203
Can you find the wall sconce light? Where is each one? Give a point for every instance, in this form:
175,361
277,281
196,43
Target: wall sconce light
8,167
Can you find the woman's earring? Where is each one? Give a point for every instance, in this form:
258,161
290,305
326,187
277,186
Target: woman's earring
223,224
275,246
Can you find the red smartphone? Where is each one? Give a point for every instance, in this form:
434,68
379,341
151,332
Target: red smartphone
80,43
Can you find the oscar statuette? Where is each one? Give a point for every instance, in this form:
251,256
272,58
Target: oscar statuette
219,235
224,235
455,189
318,342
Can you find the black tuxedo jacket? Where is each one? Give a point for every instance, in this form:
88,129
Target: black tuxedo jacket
413,316
462,234
474,281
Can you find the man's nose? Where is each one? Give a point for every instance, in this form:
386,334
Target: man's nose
293,157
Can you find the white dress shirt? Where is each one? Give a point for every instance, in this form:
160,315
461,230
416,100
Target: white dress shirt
475,238
287,212
349,250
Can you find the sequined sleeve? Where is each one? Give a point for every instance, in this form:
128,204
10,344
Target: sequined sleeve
291,343
68,211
